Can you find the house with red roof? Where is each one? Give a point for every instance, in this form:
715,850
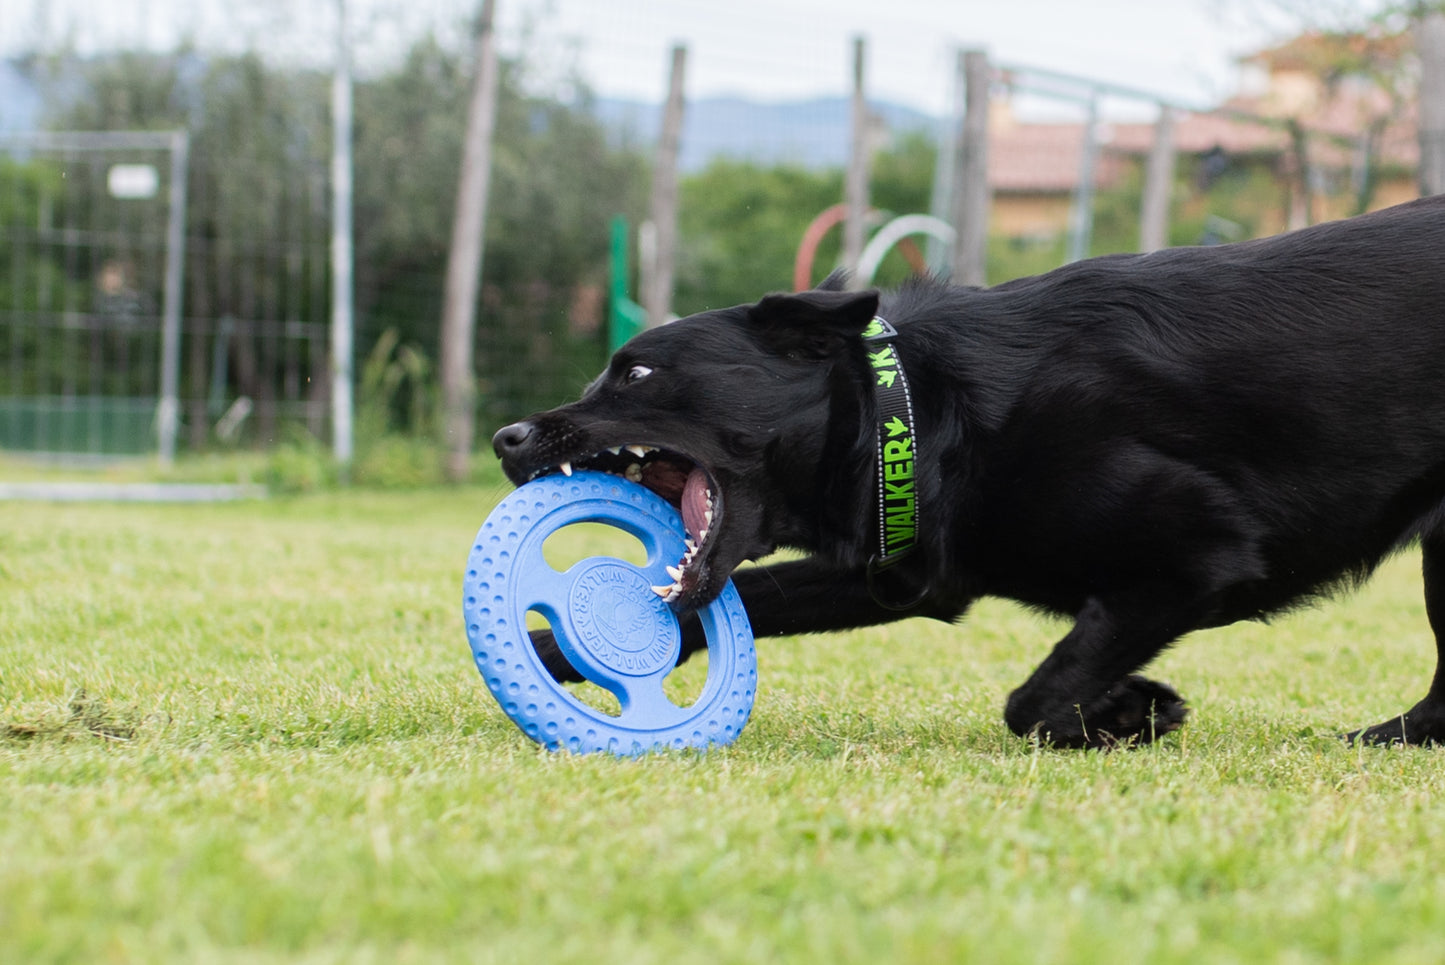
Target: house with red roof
1331,119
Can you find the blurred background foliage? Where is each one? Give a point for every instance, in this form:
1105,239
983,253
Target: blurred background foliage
258,229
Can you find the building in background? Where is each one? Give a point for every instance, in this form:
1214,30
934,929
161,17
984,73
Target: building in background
1349,96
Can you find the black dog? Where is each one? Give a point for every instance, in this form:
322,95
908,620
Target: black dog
1151,444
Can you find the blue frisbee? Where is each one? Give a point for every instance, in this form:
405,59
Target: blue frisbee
607,622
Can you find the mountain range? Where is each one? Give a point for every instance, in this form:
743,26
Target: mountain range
811,133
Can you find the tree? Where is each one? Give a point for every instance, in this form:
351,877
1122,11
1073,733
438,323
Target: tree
556,182
256,235
738,229
257,218
740,223
47,284
1343,46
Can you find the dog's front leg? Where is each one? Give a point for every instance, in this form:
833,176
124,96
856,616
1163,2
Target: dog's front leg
799,596
1086,694
813,596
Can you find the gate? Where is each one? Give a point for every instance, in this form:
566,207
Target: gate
91,254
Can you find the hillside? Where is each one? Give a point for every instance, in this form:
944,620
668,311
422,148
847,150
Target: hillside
812,133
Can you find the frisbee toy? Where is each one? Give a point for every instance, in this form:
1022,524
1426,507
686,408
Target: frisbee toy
607,620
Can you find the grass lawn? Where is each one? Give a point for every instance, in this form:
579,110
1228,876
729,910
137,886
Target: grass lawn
254,733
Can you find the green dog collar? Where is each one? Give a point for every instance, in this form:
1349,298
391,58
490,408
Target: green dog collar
897,493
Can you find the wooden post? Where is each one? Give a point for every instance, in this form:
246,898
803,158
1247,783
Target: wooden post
940,253
1430,41
1158,185
1301,207
855,189
464,260
971,196
657,288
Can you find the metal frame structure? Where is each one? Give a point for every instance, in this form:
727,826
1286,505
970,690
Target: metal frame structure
177,143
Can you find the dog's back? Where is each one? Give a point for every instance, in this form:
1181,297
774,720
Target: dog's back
1295,381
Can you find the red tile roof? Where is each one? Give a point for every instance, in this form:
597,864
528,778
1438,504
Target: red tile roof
1046,157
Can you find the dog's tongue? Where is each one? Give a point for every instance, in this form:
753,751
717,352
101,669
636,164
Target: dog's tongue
694,503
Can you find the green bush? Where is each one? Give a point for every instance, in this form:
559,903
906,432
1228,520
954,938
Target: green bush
394,461
300,464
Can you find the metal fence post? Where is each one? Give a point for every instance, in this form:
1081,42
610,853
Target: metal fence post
1081,219
342,322
169,410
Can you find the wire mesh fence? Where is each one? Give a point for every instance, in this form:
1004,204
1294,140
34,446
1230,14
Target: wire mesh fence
83,297
256,340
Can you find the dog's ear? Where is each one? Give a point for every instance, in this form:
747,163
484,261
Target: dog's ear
811,323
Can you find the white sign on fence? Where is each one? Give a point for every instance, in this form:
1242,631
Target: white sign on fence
133,181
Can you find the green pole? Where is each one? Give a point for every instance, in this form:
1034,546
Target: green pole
624,316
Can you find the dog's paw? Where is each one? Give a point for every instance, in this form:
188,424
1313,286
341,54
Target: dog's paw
1134,711
1422,725
551,656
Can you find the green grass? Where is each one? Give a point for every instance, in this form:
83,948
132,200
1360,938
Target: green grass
253,733
228,467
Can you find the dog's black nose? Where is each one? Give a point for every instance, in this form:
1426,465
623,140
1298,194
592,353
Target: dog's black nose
509,440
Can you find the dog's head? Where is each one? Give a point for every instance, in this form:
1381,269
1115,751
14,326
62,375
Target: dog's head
724,414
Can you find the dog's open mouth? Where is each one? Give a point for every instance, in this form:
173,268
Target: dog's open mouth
684,483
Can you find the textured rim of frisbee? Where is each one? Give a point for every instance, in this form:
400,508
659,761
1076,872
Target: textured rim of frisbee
607,621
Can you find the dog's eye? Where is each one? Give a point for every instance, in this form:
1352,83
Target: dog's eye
637,373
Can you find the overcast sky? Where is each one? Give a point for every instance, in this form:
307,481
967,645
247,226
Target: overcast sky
780,49
1184,50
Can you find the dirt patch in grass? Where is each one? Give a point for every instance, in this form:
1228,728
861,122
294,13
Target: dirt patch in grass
84,715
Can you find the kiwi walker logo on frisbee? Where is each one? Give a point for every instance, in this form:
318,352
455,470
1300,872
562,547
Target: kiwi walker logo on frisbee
621,621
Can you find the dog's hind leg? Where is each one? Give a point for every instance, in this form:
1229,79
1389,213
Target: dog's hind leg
1086,694
1425,722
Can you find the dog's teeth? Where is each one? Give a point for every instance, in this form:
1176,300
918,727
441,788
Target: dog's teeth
674,572
664,591
707,515
634,472
691,546
566,469
702,535
615,450
639,451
